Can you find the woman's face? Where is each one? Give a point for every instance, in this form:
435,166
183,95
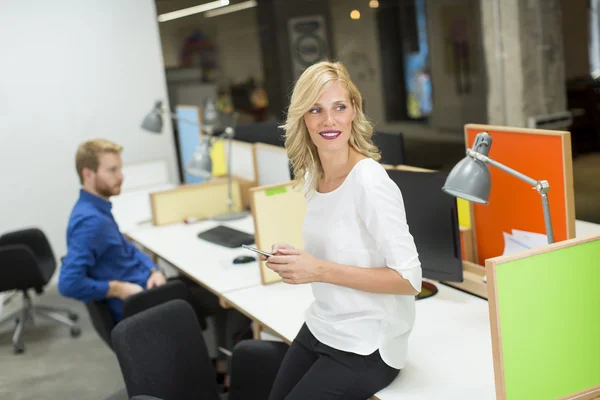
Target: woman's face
329,120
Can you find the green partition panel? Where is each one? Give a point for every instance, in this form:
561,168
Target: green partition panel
545,320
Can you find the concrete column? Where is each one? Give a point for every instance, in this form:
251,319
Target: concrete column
524,58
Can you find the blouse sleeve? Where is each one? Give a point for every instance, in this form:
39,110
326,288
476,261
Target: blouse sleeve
381,208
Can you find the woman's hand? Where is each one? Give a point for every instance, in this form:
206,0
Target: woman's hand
275,248
296,266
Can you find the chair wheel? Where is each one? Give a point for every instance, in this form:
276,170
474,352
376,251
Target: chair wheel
19,348
75,331
73,317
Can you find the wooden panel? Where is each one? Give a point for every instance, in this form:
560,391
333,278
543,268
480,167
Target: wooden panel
245,187
466,242
540,154
202,201
278,212
545,319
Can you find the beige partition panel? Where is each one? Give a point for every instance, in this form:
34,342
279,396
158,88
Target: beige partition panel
202,200
278,212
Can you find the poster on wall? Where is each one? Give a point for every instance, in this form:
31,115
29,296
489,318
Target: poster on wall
308,42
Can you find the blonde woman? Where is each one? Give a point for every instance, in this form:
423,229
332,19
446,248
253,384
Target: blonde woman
359,255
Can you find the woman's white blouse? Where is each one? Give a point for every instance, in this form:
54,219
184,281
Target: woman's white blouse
362,223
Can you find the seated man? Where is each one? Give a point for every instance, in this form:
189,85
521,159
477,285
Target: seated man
101,264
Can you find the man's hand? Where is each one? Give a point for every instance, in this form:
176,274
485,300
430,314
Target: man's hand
156,279
123,290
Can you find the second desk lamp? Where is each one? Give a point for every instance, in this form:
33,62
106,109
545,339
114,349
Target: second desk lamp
200,164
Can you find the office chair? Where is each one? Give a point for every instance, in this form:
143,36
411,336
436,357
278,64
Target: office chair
266,132
162,354
102,319
27,262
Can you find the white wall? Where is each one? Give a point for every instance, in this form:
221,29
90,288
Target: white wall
72,70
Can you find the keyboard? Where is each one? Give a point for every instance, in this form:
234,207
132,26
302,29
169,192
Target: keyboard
228,237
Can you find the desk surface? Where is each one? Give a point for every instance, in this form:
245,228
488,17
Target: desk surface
209,264
450,353
450,350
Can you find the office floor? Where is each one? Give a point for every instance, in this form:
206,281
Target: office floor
57,366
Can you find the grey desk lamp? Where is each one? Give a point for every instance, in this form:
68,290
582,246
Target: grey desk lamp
470,178
200,164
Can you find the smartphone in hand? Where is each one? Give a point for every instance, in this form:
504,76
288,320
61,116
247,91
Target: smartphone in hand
264,253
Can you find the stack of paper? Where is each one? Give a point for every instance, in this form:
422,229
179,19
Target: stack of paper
522,240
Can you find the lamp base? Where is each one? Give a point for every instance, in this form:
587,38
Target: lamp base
428,289
230,216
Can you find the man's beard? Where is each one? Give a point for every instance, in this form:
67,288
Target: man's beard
107,191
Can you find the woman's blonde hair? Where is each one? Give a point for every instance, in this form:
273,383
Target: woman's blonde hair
302,152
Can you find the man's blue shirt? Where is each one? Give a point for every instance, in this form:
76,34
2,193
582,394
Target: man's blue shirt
97,252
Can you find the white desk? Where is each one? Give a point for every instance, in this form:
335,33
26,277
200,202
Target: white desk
584,228
130,209
450,348
450,352
209,264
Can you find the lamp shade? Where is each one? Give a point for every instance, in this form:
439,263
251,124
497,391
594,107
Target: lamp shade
470,180
153,122
200,164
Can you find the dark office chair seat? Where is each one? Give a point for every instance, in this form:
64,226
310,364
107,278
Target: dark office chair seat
102,319
178,365
27,262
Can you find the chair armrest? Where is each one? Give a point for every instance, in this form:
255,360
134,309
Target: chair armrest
20,269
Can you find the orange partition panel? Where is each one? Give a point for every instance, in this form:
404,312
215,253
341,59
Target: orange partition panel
514,204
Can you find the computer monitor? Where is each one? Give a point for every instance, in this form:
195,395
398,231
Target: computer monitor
391,146
432,218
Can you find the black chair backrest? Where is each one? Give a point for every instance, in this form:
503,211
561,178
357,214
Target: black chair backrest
263,132
35,239
391,146
27,260
161,352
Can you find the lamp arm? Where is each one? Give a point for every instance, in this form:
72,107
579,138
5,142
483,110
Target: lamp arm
542,187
